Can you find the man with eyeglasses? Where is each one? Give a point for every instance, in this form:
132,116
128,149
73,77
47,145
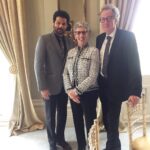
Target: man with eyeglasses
120,74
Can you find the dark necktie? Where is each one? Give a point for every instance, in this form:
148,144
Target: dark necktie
106,57
61,43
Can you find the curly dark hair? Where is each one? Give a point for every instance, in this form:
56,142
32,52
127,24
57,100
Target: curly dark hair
61,13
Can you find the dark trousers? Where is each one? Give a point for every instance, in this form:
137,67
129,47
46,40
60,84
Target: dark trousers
55,128
111,112
86,109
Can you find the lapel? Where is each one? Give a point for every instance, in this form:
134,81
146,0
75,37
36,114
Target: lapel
101,40
115,45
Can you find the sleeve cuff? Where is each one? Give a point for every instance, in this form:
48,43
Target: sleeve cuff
78,91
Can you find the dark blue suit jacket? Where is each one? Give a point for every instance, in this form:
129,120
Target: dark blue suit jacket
124,74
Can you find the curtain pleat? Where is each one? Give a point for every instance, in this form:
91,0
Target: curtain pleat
13,41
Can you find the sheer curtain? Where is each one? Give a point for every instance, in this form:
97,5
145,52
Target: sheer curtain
13,43
128,10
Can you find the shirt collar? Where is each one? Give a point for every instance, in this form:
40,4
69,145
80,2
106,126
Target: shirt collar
112,35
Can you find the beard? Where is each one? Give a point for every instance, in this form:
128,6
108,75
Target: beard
59,31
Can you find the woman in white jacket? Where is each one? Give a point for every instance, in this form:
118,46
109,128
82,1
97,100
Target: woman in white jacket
80,81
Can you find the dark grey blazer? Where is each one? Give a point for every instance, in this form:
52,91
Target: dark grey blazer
124,74
49,63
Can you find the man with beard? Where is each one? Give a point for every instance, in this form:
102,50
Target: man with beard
50,55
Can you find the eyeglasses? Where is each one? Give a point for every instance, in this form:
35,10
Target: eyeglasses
81,32
108,19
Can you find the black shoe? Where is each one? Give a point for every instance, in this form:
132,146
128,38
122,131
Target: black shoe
113,149
82,148
64,145
53,148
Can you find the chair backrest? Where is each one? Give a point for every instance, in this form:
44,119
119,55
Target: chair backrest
136,124
93,136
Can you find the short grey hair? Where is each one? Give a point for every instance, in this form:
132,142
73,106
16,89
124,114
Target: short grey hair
113,8
81,24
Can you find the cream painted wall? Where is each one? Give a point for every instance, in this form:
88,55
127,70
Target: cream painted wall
76,11
92,10
74,8
39,15
39,21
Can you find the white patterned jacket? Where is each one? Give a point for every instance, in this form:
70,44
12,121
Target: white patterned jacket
82,69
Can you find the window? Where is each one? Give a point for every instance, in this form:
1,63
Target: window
141,28
7,89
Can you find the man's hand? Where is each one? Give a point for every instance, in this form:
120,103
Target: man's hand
45,94
133,100
73,95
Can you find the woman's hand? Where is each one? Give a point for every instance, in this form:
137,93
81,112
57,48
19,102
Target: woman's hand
73,95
